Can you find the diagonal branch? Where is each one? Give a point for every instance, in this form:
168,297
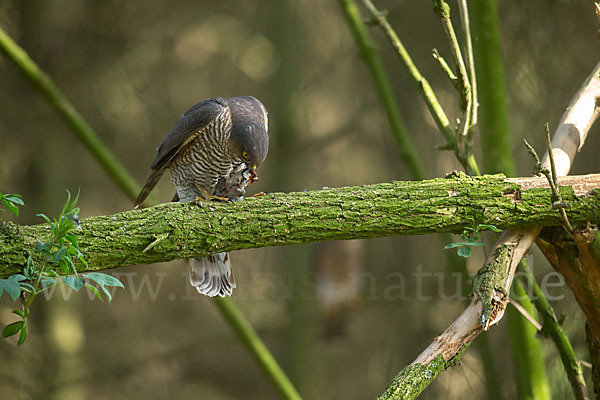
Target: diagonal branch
383,87
552,328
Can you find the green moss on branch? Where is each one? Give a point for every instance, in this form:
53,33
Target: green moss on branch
414,378
387,209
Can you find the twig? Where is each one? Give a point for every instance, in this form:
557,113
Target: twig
466,26
442,9
493,120
157,240
552,328
446,68
525,314
129,186
598,16
557,201
434,106
369,54
585,364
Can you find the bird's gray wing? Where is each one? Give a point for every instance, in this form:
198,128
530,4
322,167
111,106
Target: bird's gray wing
194,120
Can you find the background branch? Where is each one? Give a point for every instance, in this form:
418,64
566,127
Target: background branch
383,87
552,328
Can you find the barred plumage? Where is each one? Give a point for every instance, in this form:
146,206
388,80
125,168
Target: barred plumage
212,151
204,160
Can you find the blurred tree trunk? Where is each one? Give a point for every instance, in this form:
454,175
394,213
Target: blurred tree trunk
529,371
288,174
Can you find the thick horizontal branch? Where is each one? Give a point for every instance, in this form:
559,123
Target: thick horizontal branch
178,230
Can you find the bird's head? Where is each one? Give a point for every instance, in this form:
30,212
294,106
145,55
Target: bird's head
249,140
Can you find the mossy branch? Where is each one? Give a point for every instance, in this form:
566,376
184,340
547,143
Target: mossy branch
396,208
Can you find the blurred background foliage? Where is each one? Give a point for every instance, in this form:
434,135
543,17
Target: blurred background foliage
341,317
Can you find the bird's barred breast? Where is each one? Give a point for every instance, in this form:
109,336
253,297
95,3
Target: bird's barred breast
203,159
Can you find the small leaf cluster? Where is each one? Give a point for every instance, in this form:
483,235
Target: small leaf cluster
469,238
56,254
12,202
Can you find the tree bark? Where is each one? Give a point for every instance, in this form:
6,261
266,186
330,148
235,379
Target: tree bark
175,230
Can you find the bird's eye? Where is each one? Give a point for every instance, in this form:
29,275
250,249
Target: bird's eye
245,155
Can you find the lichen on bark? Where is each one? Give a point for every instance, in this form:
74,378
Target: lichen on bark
414,378
490,283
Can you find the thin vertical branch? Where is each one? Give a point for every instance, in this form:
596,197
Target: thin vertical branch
434,106
129,186
259,351
369,54
497,157
529,368
466,27
552,328
493,122
442,9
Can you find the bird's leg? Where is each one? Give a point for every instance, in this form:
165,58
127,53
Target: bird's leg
259,194
206,196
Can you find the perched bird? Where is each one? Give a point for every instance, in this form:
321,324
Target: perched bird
212,152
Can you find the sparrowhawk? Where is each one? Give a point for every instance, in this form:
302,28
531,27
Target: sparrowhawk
212,152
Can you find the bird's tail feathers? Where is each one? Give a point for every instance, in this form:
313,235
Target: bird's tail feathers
212,275
150,183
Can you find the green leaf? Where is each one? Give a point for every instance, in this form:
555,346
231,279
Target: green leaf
19,313
464,252
12,329
66,206
475,244
47,282
93,289
11,286
12,208
59,255
70,266
13,198
23,335
490,227
45,218
74,282
73,239
453,245
27,287
104,280
43,247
